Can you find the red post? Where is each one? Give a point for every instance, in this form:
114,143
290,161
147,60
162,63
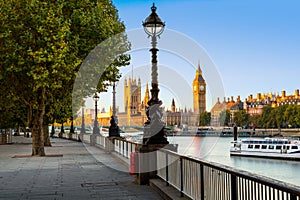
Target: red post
133,163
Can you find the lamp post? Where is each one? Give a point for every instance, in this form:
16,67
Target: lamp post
154,127
52,130
72,131
114,130
82,130
96,129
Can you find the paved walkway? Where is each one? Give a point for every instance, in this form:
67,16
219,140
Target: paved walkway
72,170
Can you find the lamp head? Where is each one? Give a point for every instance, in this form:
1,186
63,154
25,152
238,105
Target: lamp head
153,25
96,97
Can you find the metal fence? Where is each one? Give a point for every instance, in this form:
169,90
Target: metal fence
205,180
86,138
125,148
101,140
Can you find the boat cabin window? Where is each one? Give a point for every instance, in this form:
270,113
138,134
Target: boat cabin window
250,146
278,147
271,147
264,146
294,147
256,146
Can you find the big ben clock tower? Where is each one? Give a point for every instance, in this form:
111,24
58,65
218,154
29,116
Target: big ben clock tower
199,92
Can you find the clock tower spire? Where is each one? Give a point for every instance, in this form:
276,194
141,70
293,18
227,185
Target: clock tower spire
199,92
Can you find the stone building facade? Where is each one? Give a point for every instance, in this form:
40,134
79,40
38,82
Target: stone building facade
252,105
135,108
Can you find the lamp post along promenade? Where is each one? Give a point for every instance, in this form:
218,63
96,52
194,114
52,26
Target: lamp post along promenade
114,130
154,136
82,130
154,126
96,129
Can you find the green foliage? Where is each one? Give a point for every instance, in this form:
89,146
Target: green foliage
283,116
43,44
255,120
224,118
241,118
205,118
280,119
291,115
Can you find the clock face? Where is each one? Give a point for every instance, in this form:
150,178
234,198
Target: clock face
201,87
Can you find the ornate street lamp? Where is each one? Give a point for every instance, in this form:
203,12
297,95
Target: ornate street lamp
114,130
72,131
96,129
82,130
154,127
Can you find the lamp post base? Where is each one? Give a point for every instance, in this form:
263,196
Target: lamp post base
154,132
96,130
114,130
152,136
147,161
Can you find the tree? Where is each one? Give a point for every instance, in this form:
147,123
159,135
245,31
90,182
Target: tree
42,45
205,118
224,117
255,120
241,118
298,116
280,118
291,115
268,117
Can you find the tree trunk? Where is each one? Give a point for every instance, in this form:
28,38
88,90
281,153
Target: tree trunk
37,130
46,135
29,116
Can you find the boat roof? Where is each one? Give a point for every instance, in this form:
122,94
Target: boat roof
266,140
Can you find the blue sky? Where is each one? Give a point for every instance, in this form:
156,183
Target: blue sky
254,44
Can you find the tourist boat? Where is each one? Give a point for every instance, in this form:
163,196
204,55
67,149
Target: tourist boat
277,148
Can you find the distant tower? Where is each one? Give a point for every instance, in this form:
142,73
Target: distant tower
199,92
173,107
146,98
126,93
132,96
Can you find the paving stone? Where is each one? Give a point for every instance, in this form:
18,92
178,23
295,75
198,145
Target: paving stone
83,172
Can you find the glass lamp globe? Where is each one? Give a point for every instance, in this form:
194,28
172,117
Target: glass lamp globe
153,25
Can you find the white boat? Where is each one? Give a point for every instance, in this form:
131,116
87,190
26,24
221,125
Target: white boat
277,148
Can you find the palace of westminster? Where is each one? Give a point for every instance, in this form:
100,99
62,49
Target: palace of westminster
135,107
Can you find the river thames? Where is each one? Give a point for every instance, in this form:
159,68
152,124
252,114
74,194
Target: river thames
216,149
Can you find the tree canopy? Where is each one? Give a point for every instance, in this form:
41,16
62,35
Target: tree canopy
241,118
205,118
283,116
42,46
224,118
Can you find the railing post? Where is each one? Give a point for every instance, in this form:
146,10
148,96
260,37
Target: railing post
167,169
123,148
233,187
127,149
201,182
293,197
181,177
